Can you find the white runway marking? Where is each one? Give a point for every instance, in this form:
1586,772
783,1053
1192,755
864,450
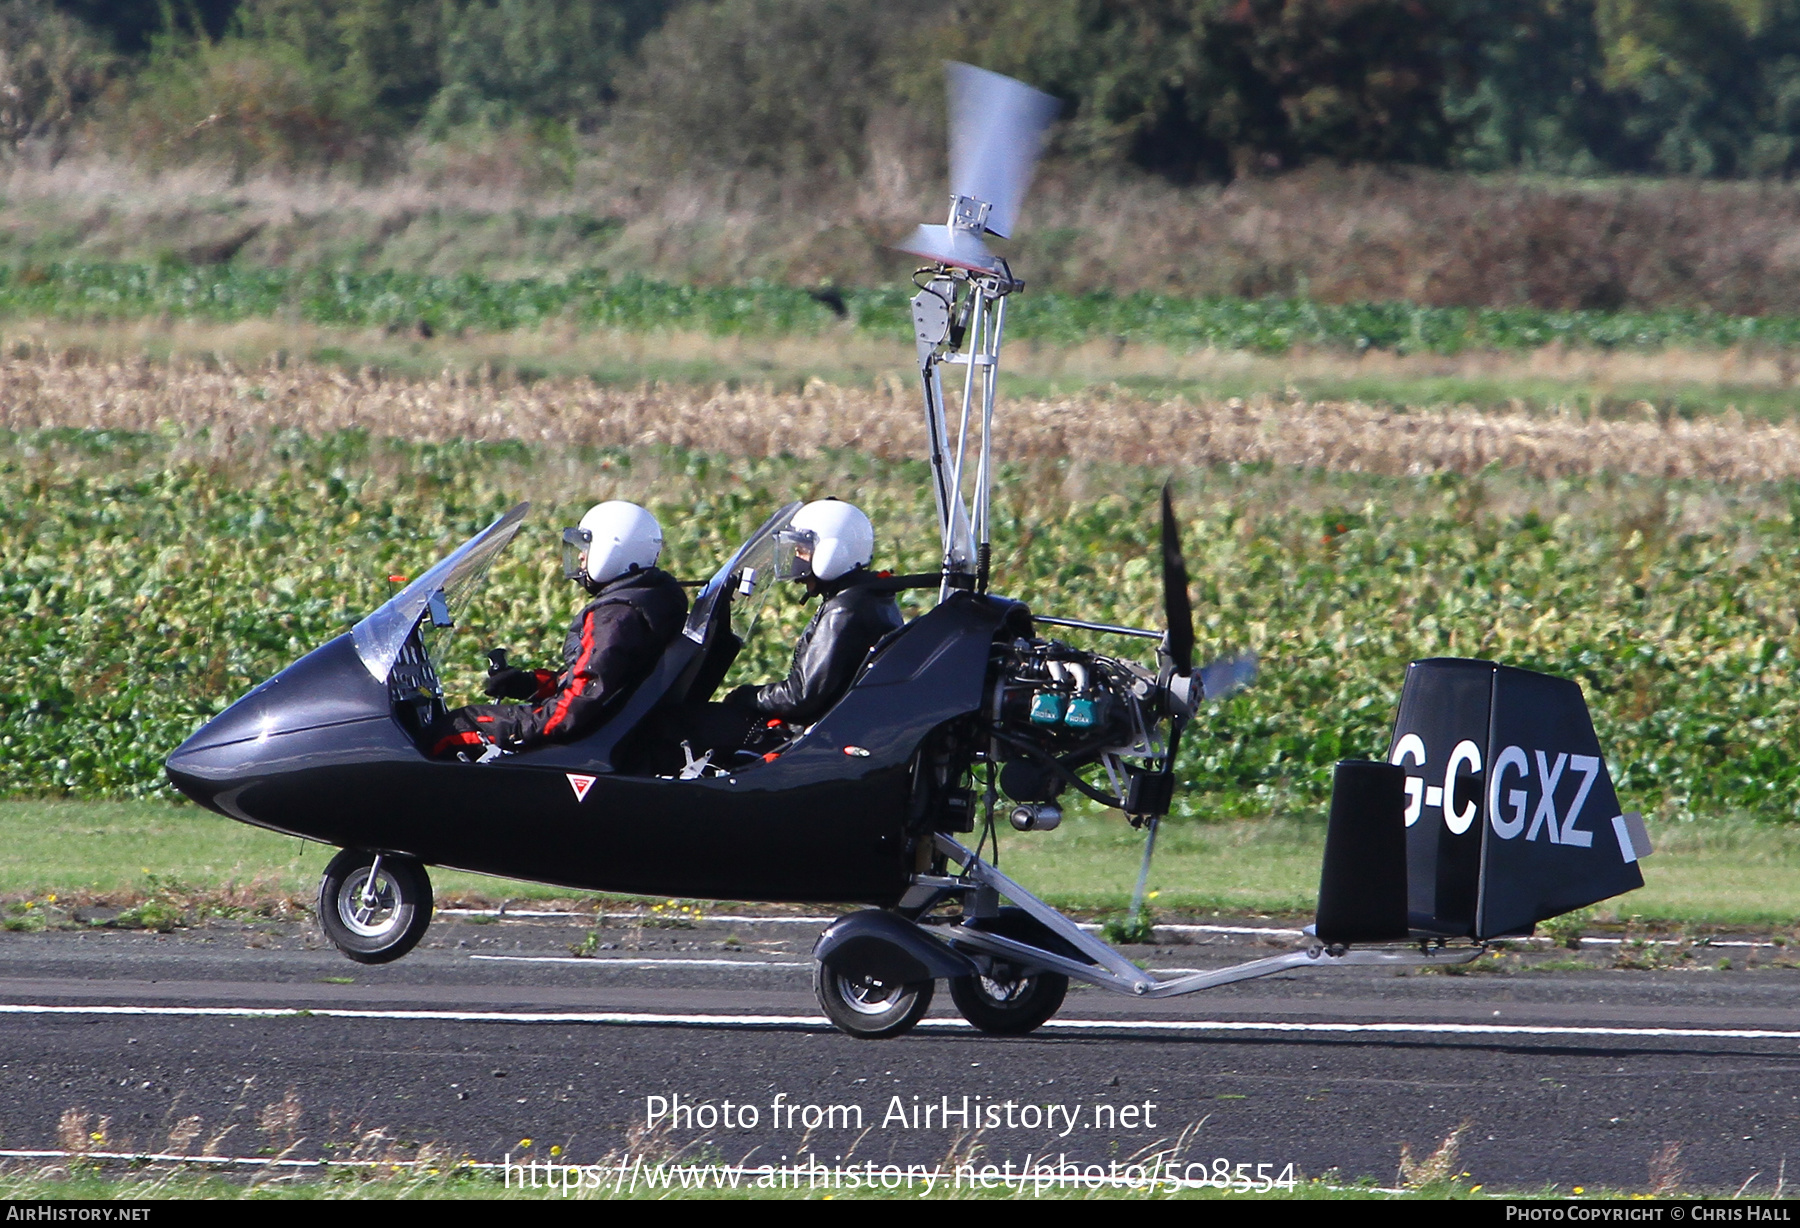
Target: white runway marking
650,1019
677,962
635,962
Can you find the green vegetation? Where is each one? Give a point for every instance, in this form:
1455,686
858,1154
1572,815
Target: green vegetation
406,1179
179,865
428,305
1205,89
151,580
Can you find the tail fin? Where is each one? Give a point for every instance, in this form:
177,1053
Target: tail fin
1510,813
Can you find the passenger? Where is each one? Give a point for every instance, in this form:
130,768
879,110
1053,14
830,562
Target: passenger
612,646
828,547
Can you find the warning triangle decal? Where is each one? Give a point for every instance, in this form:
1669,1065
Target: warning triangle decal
581,784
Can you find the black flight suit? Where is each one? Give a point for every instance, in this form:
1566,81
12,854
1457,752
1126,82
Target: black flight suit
850,621
613,644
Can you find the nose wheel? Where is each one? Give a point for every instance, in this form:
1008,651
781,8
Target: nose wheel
374,907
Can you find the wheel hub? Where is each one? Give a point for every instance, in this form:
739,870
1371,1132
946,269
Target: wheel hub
368,905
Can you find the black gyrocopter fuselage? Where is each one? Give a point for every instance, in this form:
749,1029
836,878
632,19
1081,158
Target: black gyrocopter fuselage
331,749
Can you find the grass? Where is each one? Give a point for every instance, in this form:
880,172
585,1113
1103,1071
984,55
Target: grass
127,850
403,1183
1335,236
1675,383
1716,872
594,299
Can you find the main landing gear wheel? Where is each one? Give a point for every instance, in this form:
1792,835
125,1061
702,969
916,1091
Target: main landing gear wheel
374,907
1012,1007
1015,1002
868,1008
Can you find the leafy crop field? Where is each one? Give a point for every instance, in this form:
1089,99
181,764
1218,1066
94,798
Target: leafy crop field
594,299
150,575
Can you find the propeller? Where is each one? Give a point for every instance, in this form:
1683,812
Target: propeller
997,130
1217,678
1178,614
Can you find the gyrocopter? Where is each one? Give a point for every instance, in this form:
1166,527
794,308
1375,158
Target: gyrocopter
1493,811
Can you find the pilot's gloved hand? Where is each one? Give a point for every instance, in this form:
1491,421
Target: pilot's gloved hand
514,683
743,697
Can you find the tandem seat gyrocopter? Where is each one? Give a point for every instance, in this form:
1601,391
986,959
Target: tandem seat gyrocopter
1493,809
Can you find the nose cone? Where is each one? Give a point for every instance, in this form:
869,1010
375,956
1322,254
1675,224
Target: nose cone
329,686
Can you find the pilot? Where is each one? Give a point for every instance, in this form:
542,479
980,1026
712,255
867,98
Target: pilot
827,547
613,644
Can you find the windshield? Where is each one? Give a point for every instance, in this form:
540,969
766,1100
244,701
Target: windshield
752,570
438,592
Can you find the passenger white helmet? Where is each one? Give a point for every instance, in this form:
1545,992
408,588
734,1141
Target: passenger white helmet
826,540
612,539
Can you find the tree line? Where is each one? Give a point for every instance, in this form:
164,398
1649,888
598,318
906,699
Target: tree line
1189,90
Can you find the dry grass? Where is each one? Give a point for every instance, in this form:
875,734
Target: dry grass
1334,235
48,390
1437,1169
1667,1172
1553,373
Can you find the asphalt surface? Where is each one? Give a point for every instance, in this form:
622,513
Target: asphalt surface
493,1033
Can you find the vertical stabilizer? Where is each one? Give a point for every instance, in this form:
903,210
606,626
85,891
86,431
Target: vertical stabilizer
1510,812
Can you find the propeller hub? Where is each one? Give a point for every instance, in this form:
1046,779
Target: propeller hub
967,213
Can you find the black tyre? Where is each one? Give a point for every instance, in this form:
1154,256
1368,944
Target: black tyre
1012,1002
867,1008
1011,1007
375,921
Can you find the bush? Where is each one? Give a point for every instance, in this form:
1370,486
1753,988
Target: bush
51,69
244,104
1208,88
772,85
501,61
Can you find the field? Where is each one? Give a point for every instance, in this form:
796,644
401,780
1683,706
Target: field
594,299
172,535
206,469
1331,236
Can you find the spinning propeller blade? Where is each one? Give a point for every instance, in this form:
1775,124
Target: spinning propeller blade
997,130
1227,674
961,249
1178,614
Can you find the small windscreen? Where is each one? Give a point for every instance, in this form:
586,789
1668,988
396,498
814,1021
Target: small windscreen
380,637
751,566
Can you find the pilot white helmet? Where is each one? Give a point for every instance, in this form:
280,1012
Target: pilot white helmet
827,539
612,539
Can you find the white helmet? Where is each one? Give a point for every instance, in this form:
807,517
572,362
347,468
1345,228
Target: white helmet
612,539
826,540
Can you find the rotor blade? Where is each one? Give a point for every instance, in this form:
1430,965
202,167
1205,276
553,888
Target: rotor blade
957,248
996,132
1178,614
1220,678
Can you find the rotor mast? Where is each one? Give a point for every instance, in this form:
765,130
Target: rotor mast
959,319
997,127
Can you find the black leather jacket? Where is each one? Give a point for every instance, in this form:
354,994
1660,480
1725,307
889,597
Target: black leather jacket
613,644
850,621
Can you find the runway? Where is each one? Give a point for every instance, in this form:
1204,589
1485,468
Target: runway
255,1040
